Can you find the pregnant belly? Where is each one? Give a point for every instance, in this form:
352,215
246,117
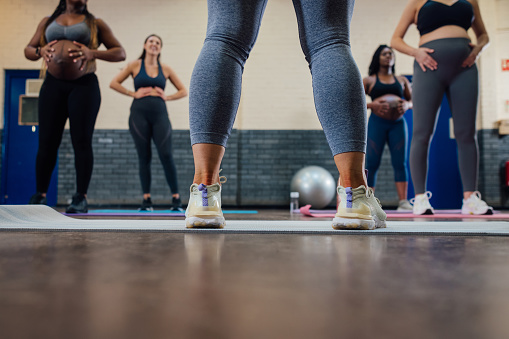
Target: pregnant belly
393,101
62,66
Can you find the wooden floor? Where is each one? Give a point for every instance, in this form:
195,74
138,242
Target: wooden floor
190,285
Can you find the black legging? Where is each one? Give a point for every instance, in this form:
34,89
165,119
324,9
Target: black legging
78,100
149,120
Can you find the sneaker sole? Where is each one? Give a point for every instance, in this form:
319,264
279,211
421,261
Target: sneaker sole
339,223
73,211
426,212
195,222
488,212
380,223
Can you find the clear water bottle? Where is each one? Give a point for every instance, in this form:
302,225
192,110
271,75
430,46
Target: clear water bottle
294,202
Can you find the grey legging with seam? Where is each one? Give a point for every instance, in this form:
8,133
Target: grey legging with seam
461,85
324,29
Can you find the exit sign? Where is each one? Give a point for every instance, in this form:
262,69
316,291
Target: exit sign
505,64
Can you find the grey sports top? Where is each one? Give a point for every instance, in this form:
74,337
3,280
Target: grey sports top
79,32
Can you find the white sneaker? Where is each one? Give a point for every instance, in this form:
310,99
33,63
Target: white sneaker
404,205
421,204
204,208
474,205
358,209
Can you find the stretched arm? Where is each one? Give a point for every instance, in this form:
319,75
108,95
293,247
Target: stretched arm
482,38
116,82
368,84
420,54
407,93
34,51
174,79
407,90
114,51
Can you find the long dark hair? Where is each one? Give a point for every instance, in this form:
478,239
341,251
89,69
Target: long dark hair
144,53
89,19
375,62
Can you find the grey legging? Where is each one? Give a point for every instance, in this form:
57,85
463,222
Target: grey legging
461,86
324,29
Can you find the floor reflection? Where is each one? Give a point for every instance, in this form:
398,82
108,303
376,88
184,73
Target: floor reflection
196,285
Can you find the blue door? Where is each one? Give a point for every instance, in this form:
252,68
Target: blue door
20,145
444,179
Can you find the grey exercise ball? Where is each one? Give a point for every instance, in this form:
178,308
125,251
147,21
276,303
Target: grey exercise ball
315,185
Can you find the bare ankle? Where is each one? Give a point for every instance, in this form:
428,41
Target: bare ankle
205,179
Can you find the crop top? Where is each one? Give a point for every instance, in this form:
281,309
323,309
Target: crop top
142,79
79,32
433,15
380,89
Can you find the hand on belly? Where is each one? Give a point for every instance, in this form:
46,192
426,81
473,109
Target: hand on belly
395,110
150,92
62,65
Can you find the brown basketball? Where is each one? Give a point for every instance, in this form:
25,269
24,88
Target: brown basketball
62,66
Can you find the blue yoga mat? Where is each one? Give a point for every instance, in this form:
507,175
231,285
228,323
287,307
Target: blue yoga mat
156,213
111,211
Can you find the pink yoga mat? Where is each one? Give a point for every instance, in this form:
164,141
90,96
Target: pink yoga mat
455,214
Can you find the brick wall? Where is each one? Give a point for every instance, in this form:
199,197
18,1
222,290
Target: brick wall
259,166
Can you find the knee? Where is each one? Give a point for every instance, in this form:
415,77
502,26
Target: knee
421,137
82,146
166,157
231,46
465,137
400,172
82,138
47,151
144,159
372,165
400,175
373,160
331,43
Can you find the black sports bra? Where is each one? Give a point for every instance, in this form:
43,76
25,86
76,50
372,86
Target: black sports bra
380,89
142,79
433,15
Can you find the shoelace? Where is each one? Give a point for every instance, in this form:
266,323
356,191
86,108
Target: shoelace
476,195
204,194
427,194
476,198
204,190
349,197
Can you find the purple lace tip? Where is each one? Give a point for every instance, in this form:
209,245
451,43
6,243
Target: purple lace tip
204,196
349,197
